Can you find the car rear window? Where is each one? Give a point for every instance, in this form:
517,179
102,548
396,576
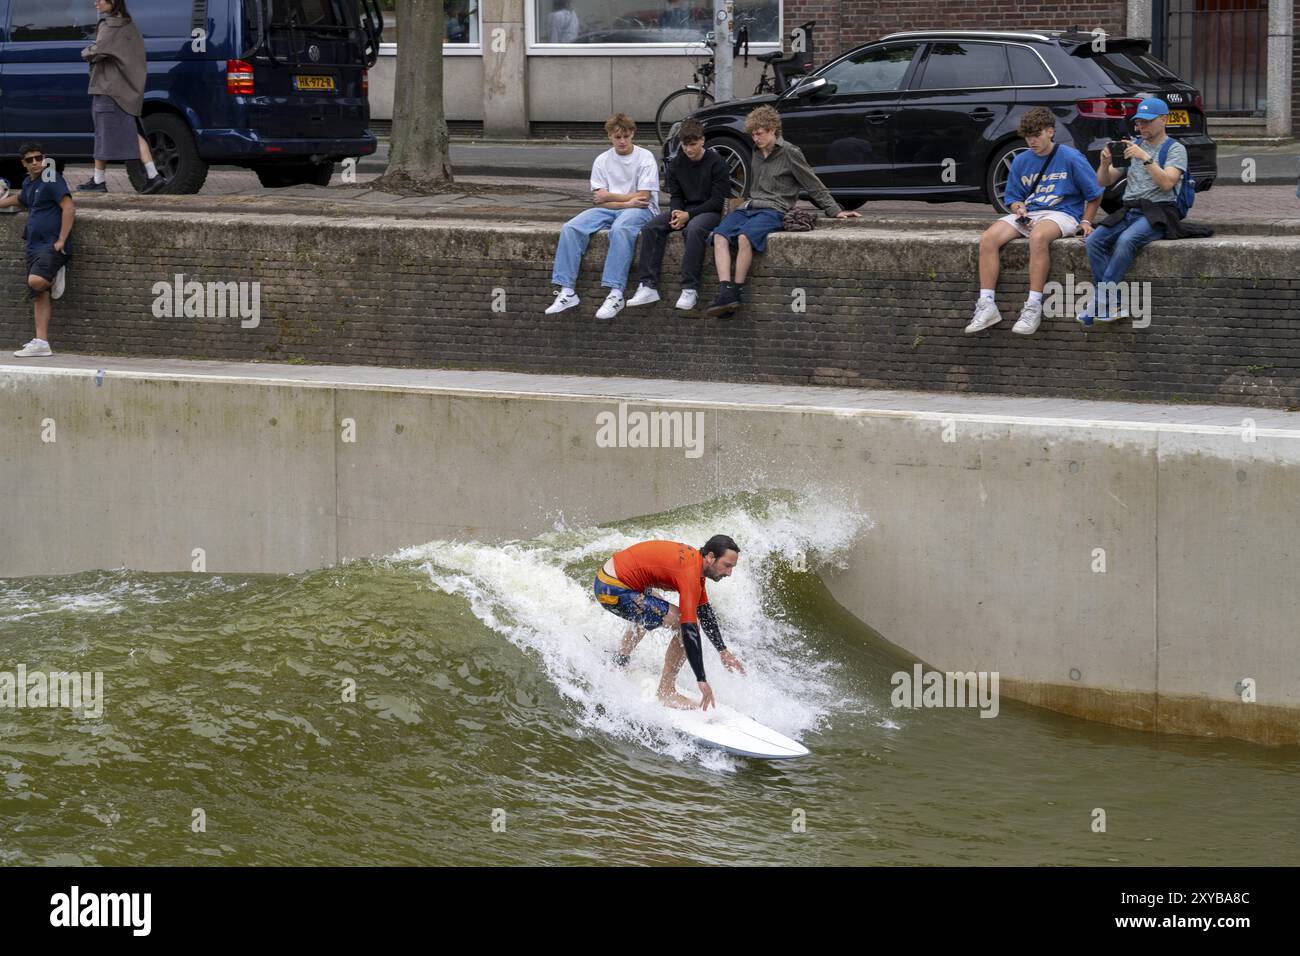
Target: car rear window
1130,66
1027,69
965,66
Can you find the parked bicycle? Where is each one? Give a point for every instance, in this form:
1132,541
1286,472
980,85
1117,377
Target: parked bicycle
784,69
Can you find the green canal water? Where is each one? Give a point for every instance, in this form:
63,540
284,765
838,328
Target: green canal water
489,728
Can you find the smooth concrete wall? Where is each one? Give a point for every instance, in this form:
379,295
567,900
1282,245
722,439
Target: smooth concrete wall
984,554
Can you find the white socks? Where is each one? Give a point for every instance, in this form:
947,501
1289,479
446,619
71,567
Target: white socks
151,169
1036,297
101,175
986,293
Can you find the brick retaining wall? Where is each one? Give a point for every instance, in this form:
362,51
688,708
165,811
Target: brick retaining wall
883,308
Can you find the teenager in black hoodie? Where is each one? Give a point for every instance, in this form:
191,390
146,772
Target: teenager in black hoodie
698,186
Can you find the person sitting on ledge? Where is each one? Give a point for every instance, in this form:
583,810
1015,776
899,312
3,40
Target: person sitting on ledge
698,185
1046,189
625,194
778,172
1156,167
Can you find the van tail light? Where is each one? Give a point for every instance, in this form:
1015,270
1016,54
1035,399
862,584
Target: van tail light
239,78
365,82
1111,107
1198,102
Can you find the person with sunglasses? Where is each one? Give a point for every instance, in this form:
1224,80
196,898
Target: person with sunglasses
50,214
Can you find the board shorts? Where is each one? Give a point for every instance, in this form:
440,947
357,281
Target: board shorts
754,224
1067,222
644,610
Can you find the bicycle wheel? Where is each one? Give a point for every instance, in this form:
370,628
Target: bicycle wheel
677,106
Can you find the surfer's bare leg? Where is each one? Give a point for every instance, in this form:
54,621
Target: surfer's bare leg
631,638
672,664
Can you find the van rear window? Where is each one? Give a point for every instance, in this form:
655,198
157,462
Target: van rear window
325,16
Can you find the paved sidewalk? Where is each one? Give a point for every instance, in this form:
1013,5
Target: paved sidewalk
1255,208
569,159
966,406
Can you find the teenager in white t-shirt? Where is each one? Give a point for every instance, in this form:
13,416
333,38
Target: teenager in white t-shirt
625,196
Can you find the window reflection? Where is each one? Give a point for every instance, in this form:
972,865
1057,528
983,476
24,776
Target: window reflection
647,21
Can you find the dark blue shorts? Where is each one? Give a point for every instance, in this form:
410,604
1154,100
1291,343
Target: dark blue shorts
640,608
754,224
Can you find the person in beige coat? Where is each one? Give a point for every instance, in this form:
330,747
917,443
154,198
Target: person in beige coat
118,69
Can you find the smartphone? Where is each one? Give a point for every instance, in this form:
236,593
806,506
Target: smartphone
1117,147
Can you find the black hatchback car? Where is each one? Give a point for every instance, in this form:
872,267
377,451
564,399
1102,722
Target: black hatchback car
932,114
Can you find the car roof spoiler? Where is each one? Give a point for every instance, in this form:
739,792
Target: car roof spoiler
1077,41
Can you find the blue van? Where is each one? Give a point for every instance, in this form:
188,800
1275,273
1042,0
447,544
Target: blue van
275,86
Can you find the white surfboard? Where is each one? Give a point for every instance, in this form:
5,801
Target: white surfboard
735,733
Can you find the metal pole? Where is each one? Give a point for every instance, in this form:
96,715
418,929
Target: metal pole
723,31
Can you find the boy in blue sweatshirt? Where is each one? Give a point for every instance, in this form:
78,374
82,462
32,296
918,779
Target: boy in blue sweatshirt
1046,192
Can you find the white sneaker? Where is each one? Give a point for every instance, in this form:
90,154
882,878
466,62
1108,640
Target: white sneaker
613,305
1031,316
986,315
562,301
688,299
644,296
34,348
60,283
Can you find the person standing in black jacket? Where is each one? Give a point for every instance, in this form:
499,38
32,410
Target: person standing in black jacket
698,186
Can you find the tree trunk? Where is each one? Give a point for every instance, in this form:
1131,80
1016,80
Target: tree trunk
419,158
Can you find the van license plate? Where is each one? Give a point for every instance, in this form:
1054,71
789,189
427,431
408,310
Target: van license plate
317,83
1178,118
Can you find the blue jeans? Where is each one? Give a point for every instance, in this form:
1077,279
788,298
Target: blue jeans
623,226
1111,249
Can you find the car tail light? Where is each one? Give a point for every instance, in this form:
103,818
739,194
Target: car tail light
1198,102
1111,107
239,78
365,82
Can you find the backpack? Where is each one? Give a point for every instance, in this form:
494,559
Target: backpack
1186,185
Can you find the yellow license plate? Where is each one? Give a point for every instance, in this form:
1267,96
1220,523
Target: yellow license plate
316,83
1178,118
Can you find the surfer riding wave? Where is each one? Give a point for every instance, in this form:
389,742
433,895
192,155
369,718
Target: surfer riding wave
621,587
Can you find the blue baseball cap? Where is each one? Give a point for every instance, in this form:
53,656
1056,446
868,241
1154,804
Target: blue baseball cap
1150,108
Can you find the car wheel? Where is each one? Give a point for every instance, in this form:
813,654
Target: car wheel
174,153
995,180
736,156
849,202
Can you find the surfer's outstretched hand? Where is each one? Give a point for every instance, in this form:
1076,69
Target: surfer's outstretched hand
707,699
731,662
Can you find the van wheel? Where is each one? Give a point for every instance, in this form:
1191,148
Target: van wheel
174,153
280,175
